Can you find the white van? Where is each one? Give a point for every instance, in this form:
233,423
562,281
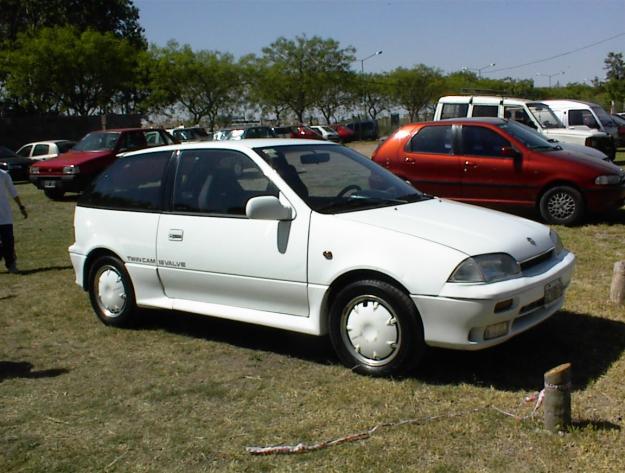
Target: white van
577,113
535,114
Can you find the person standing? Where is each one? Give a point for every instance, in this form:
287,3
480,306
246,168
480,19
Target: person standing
7,242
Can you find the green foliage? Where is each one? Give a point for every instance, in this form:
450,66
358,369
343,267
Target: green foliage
302,68
63,70
416,88
119,17
205,84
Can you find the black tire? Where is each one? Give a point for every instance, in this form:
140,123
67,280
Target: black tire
394,346
561,205
111,292
54,194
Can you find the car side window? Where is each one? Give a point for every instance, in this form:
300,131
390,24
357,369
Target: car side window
582,117
454,110
432,139
485,110
480,141
518,114
218,182
130,183
40,150
133,140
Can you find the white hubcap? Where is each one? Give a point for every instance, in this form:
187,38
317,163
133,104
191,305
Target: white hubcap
111,293
370,330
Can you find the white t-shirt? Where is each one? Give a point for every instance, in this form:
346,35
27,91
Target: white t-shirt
7,192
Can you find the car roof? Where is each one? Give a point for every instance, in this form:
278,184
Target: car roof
489,120
570,103
237,145
485,99
48,142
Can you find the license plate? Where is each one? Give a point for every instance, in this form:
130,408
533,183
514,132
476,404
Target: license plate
49,184
553,291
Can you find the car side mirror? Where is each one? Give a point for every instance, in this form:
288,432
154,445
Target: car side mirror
509,152
268,207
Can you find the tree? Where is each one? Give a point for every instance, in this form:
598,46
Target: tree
205,84
119,17
64,71
376,92
415,89
302,66
615,77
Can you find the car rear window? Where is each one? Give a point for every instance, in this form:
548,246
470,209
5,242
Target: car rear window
432,139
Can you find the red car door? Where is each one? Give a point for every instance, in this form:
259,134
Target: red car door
429,163
493,171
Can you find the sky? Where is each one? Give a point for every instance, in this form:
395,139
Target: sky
565,39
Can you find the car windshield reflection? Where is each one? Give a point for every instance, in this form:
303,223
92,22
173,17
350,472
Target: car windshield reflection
335,179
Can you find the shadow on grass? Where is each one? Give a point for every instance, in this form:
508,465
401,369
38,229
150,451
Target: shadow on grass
590,343
595,425
23,369
255,337
44,270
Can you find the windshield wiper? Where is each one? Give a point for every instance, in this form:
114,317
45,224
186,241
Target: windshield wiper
357,201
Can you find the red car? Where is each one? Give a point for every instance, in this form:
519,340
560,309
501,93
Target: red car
72,171
345,134
501,163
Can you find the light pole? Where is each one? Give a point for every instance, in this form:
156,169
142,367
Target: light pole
550,75
364,92
478,69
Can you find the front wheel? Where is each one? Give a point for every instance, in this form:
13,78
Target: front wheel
562,205
111,292
375,329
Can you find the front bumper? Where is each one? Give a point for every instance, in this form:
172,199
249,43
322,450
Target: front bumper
458,317
65,183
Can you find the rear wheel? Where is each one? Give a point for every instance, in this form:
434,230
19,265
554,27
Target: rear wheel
111,291
562,205
375,329
54,194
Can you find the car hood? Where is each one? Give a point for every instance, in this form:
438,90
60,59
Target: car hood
13,160
73,157
463,227
587,150
597,165
573,132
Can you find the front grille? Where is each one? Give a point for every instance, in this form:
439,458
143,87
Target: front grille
534,305
535,261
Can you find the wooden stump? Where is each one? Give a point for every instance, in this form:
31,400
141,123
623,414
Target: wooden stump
557,402
617,289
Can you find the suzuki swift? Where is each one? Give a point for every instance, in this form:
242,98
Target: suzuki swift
315,238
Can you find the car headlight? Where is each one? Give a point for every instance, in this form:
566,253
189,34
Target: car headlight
607,180
34,170
557,243
72,169
486,268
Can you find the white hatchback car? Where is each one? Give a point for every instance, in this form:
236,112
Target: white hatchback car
44,150
312,237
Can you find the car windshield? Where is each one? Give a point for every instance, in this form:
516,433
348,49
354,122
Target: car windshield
604,118
528,136
544,115
6,152
334,179
98,141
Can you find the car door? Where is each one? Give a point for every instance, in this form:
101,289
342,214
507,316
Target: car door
428,161
209,252
492,170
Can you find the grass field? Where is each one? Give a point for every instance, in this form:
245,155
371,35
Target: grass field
182,393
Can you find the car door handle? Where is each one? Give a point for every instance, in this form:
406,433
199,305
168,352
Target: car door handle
409,160
175,234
